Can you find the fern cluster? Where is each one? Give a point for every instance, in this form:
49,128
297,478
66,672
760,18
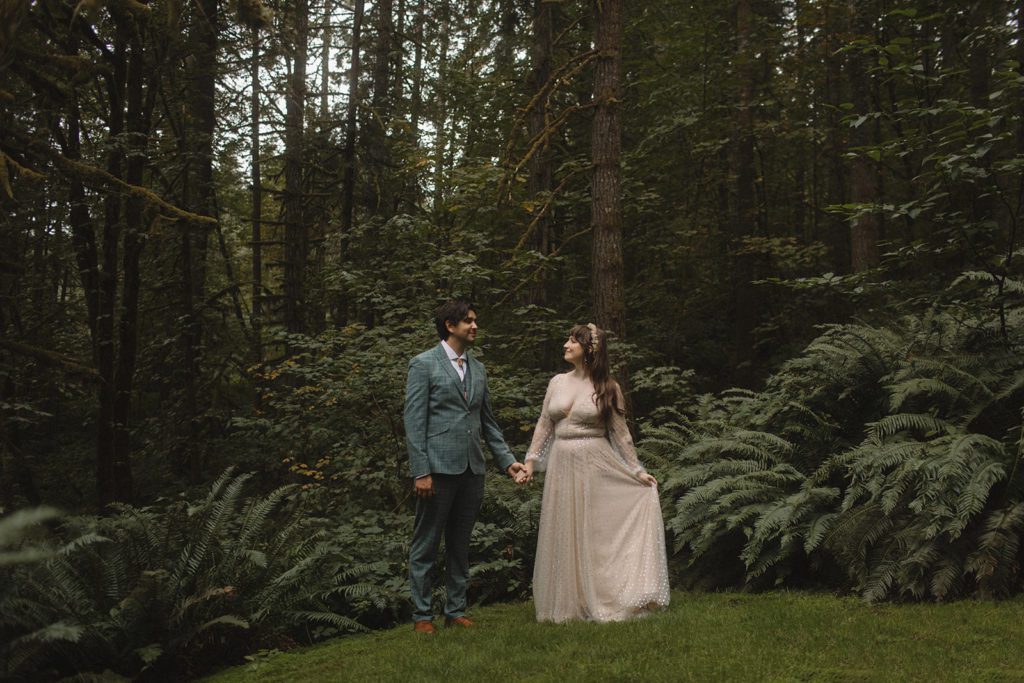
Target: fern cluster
884,461
178,588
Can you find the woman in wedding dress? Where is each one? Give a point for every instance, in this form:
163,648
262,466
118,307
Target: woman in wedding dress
601,545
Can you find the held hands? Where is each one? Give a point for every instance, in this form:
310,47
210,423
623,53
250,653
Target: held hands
515,470
423,487
525,473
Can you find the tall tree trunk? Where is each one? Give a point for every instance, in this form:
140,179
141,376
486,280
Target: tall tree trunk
257,199
416,96
296,247
413,194
837,237
83,236
800,228
107,460
348,177
381,104
441,122
864,230
979,72
505,49
606,188
140,102
349,153
398,62
1017,209
321,182
325,64
404,184
744,219
97,279
541,174
1020,74
200,130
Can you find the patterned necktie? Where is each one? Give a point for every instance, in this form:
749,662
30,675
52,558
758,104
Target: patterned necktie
465,392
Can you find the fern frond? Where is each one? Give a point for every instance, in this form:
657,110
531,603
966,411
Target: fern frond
219,506
14,526
339,621
923,387
975,494
947,577
922,423
818,530
726,446
256,516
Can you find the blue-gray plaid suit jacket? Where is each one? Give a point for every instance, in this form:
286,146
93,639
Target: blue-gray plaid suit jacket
443,427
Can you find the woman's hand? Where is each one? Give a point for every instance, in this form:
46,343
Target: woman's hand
648,479
525,475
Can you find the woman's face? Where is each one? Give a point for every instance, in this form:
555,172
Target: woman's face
573,351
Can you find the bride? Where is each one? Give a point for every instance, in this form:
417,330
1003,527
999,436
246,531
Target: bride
601,544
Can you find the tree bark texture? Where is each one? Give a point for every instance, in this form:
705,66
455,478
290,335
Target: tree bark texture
348,157
378,162
864,230
296,247
140,101
257,198
837,236
107,458
202,123
607,286
441,120
348,181
744,206
540,178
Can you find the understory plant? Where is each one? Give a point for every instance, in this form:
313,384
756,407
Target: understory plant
175,589
883,460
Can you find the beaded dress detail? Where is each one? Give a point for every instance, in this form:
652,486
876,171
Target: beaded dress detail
601,544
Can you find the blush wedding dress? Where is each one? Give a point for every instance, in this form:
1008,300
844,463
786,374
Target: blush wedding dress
601,544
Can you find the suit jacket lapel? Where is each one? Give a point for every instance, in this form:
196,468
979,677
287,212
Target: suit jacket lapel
470,377
446,362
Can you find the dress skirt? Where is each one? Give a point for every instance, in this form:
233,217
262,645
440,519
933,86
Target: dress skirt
601,544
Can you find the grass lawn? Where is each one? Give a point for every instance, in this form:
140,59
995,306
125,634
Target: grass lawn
701,637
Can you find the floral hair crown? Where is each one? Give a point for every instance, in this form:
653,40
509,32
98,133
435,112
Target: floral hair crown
595,341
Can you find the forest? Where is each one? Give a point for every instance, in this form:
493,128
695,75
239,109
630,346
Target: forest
225,226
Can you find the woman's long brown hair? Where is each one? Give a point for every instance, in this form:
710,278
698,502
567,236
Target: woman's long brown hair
595,358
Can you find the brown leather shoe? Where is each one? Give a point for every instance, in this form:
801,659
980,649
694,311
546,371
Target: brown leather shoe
459,621
424,627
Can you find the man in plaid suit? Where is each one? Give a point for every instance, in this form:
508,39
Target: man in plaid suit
447,412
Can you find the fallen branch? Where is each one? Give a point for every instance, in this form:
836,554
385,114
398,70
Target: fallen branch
51,358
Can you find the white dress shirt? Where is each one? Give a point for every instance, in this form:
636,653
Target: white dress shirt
454,358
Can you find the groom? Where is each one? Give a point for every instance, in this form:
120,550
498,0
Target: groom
447,411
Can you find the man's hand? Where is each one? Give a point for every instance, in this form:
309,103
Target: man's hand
515,471
423,487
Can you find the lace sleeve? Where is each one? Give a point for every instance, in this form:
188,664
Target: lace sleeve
543,433
620,438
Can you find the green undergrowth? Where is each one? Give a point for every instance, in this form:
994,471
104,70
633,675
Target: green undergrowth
701,637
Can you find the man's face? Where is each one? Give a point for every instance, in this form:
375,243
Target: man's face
465,329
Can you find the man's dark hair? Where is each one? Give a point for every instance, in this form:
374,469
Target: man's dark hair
454,312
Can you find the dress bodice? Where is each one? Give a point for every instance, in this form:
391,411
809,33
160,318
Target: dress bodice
569,412
572,410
